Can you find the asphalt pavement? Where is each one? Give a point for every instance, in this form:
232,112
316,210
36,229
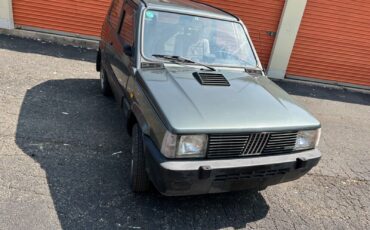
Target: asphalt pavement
64,157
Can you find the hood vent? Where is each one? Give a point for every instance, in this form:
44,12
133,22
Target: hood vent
211,79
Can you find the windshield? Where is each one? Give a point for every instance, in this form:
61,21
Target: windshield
204,40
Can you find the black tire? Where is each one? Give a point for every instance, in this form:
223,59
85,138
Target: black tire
138,176
104,84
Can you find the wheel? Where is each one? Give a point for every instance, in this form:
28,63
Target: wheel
138,176
104,84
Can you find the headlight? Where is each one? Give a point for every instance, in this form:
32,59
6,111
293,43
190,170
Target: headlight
187,146
307,139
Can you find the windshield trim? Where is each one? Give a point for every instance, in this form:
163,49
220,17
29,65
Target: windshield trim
257,66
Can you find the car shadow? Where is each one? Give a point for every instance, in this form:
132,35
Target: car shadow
26,45
324,92
78,137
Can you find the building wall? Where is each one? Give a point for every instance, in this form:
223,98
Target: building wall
333,43
85,17
76,17
6,14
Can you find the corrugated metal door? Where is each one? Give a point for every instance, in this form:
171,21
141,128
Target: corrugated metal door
333,42
262,18
85,17
82,17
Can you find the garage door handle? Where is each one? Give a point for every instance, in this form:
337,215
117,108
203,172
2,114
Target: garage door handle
111,43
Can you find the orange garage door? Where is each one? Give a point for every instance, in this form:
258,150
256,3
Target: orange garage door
83,17
333,42
260,16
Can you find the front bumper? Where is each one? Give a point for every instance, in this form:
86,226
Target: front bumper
192,177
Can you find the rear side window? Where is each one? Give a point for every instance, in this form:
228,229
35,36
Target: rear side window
128,25
115,13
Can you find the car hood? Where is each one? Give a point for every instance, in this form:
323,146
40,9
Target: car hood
249,104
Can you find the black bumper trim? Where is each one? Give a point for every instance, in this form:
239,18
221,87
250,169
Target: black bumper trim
192,177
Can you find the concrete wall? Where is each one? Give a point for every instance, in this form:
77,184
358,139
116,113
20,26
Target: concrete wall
285,39
6,14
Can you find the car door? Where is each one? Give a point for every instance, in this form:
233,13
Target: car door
115,18
122,62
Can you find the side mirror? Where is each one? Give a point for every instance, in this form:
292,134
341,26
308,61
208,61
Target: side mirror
127,49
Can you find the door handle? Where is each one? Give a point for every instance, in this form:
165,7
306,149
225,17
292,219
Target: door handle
111,43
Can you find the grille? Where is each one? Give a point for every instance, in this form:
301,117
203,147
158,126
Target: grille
242,145
211,79
251,174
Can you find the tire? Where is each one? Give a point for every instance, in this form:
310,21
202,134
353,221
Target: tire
104,84
138,176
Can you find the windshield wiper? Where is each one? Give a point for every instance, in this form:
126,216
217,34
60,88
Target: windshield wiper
181,60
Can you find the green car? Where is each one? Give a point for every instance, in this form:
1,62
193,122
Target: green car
203,116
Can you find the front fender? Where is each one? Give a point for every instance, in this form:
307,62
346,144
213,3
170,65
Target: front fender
137,115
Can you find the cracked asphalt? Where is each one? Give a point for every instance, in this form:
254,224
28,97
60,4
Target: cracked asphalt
64,157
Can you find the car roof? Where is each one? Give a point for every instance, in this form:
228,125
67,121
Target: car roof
189,7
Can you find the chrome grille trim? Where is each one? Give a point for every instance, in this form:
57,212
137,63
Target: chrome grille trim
257,144
251,144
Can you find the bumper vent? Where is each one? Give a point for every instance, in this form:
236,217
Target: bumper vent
251,174
243,145
211,79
